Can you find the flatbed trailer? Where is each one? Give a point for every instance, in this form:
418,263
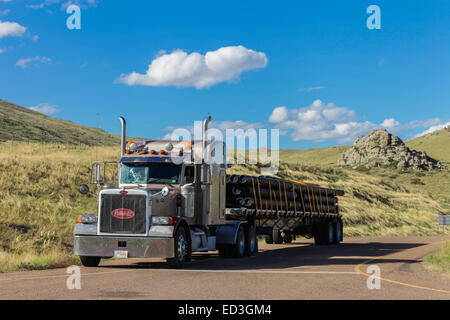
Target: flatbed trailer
167,205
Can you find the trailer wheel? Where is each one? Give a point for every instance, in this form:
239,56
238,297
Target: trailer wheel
88,261
287,238
320,233
239,246
181,249
251,243
276,235
337,226
329,229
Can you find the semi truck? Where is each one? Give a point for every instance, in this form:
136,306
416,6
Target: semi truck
168,200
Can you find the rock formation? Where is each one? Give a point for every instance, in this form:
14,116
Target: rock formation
380,148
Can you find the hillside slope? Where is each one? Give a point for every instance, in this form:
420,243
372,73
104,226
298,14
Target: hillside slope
22,124
435,144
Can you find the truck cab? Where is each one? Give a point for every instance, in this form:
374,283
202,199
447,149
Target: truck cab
169,201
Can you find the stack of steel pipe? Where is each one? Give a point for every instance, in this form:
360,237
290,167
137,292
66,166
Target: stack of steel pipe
274,194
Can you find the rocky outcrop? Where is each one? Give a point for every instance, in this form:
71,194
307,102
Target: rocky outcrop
380,148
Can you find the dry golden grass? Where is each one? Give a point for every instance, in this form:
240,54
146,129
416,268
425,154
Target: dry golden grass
40,200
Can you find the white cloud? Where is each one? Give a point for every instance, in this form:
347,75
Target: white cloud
2,50
390,123
45,108
36,6
320,121
181,69
434,128
4,12
81,3
311,89
84,4
23,63
12,29
279,114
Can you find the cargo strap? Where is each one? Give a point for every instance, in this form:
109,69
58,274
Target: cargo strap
295,202
254,195
303,202
281,196
270,193
326,195
311,203
319,202
285,198
259,192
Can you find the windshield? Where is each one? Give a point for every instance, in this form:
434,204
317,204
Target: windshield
150,173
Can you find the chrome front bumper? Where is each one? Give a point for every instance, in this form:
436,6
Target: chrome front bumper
137,247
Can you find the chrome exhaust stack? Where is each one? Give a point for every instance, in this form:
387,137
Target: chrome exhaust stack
123,135
204,137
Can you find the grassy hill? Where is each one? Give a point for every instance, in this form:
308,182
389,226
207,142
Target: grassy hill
23,124
435,144
323,157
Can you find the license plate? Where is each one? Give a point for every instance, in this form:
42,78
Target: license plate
121,254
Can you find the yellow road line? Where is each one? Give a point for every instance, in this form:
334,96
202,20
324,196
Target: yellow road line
358,269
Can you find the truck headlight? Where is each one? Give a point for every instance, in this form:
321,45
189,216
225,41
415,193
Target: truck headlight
87,218
162,220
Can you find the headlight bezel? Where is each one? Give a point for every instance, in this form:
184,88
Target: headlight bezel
162,220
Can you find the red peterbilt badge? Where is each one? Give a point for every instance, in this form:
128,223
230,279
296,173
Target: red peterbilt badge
122,213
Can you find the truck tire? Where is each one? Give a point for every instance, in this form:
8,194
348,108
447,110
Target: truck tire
181,248
251,243
337,232
319,233
88,261
287,238
276,235
269,239
329,232
238,249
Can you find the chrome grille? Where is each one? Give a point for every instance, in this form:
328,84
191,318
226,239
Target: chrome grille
123,214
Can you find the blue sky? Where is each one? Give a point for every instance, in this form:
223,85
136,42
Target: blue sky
311,68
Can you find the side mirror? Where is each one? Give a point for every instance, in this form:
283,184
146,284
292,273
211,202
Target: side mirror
84,189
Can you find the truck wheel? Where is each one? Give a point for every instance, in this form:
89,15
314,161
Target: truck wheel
88,261
287,238
329,232
320,234
269,239
276,235
181,248
239,247
337,232
251,245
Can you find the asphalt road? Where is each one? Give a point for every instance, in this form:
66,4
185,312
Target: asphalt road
299,270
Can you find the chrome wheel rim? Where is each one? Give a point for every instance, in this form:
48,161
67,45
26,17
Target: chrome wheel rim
241,244
252,241
330,233
181,248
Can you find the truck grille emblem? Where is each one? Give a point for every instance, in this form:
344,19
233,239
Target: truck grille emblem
122,213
